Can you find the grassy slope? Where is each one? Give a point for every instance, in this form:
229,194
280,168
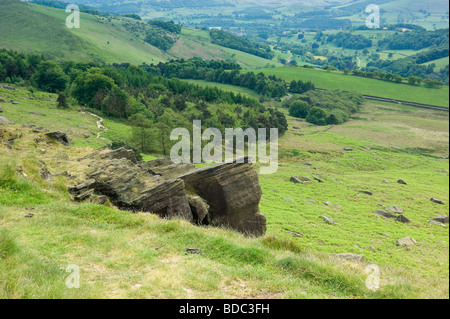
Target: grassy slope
440,63
406,144
39,29
116,251
335,80
227,87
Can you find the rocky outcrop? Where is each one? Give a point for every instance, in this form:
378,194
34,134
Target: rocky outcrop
59,137
224,195
233,192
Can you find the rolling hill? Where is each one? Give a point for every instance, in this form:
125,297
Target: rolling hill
39,29
339,81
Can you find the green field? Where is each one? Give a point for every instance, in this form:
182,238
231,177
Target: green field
27,28
227,87
440,63
404,144
339,81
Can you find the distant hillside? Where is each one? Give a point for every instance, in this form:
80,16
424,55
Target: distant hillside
34,28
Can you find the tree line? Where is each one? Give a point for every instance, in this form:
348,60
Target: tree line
152,104
232,41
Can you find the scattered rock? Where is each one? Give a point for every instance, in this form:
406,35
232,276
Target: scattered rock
367,193
337,206
4,120
2,101
311,200
59,137
300,179
328,220
296,180
37,113
395,209
193,251
401,181
308,163
294,234
442,219
386,181
437,201
373,248
45,174
366,148
402,219
407,241
348,149
350,257
434,222
318,179
385,214
328,203
288,199
29,215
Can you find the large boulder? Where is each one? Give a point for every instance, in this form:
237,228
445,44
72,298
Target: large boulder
233,192
225,195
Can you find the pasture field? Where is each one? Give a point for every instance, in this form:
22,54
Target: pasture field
227,87
389,143
38,29
340,81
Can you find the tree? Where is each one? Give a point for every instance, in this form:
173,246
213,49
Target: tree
62,100
143,133
317,116
299,109
50,77
115,103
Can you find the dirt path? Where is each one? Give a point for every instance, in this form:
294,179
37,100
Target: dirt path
100,126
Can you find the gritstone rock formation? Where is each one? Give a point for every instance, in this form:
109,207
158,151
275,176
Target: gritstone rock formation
223,195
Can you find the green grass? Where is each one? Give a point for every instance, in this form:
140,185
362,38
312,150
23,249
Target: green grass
123,255
227,87
339,81
405,144
440,63
38,29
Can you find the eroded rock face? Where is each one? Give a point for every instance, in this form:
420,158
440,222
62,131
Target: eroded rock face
225,195
233,192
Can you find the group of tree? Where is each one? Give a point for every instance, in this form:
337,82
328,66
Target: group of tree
152,104
415,40
348,40
232,41
324,107
415,65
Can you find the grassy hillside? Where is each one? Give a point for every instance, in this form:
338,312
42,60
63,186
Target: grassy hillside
337,80
227,87
123,255
38,29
